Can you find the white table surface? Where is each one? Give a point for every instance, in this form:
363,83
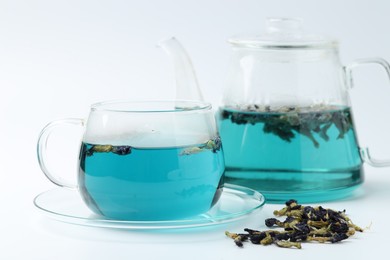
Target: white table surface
27,234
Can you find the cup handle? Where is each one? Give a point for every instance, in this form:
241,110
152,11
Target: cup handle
365,151
41,149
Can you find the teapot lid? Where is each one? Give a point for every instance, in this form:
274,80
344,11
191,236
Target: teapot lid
284,33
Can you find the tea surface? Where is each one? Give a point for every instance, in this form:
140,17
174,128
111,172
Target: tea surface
123,182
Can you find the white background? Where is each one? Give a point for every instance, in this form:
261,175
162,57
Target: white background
58,57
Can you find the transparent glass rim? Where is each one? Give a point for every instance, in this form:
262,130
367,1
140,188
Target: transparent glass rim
152,106
268,44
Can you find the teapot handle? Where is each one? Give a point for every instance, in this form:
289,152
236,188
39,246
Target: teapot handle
365,151
41,149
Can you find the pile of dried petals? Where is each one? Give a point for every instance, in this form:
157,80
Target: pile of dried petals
302,224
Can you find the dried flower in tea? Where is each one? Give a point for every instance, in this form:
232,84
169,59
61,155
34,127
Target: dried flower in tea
120,150
285,122
213,144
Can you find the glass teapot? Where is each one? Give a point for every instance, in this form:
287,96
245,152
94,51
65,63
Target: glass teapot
286,122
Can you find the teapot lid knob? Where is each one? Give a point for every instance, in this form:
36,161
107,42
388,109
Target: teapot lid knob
282,33
284,26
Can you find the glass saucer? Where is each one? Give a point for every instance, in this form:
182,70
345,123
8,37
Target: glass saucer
66,205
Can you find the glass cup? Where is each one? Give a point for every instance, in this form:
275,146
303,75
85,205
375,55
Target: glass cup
145,161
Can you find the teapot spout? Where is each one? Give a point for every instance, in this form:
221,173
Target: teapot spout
187,87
